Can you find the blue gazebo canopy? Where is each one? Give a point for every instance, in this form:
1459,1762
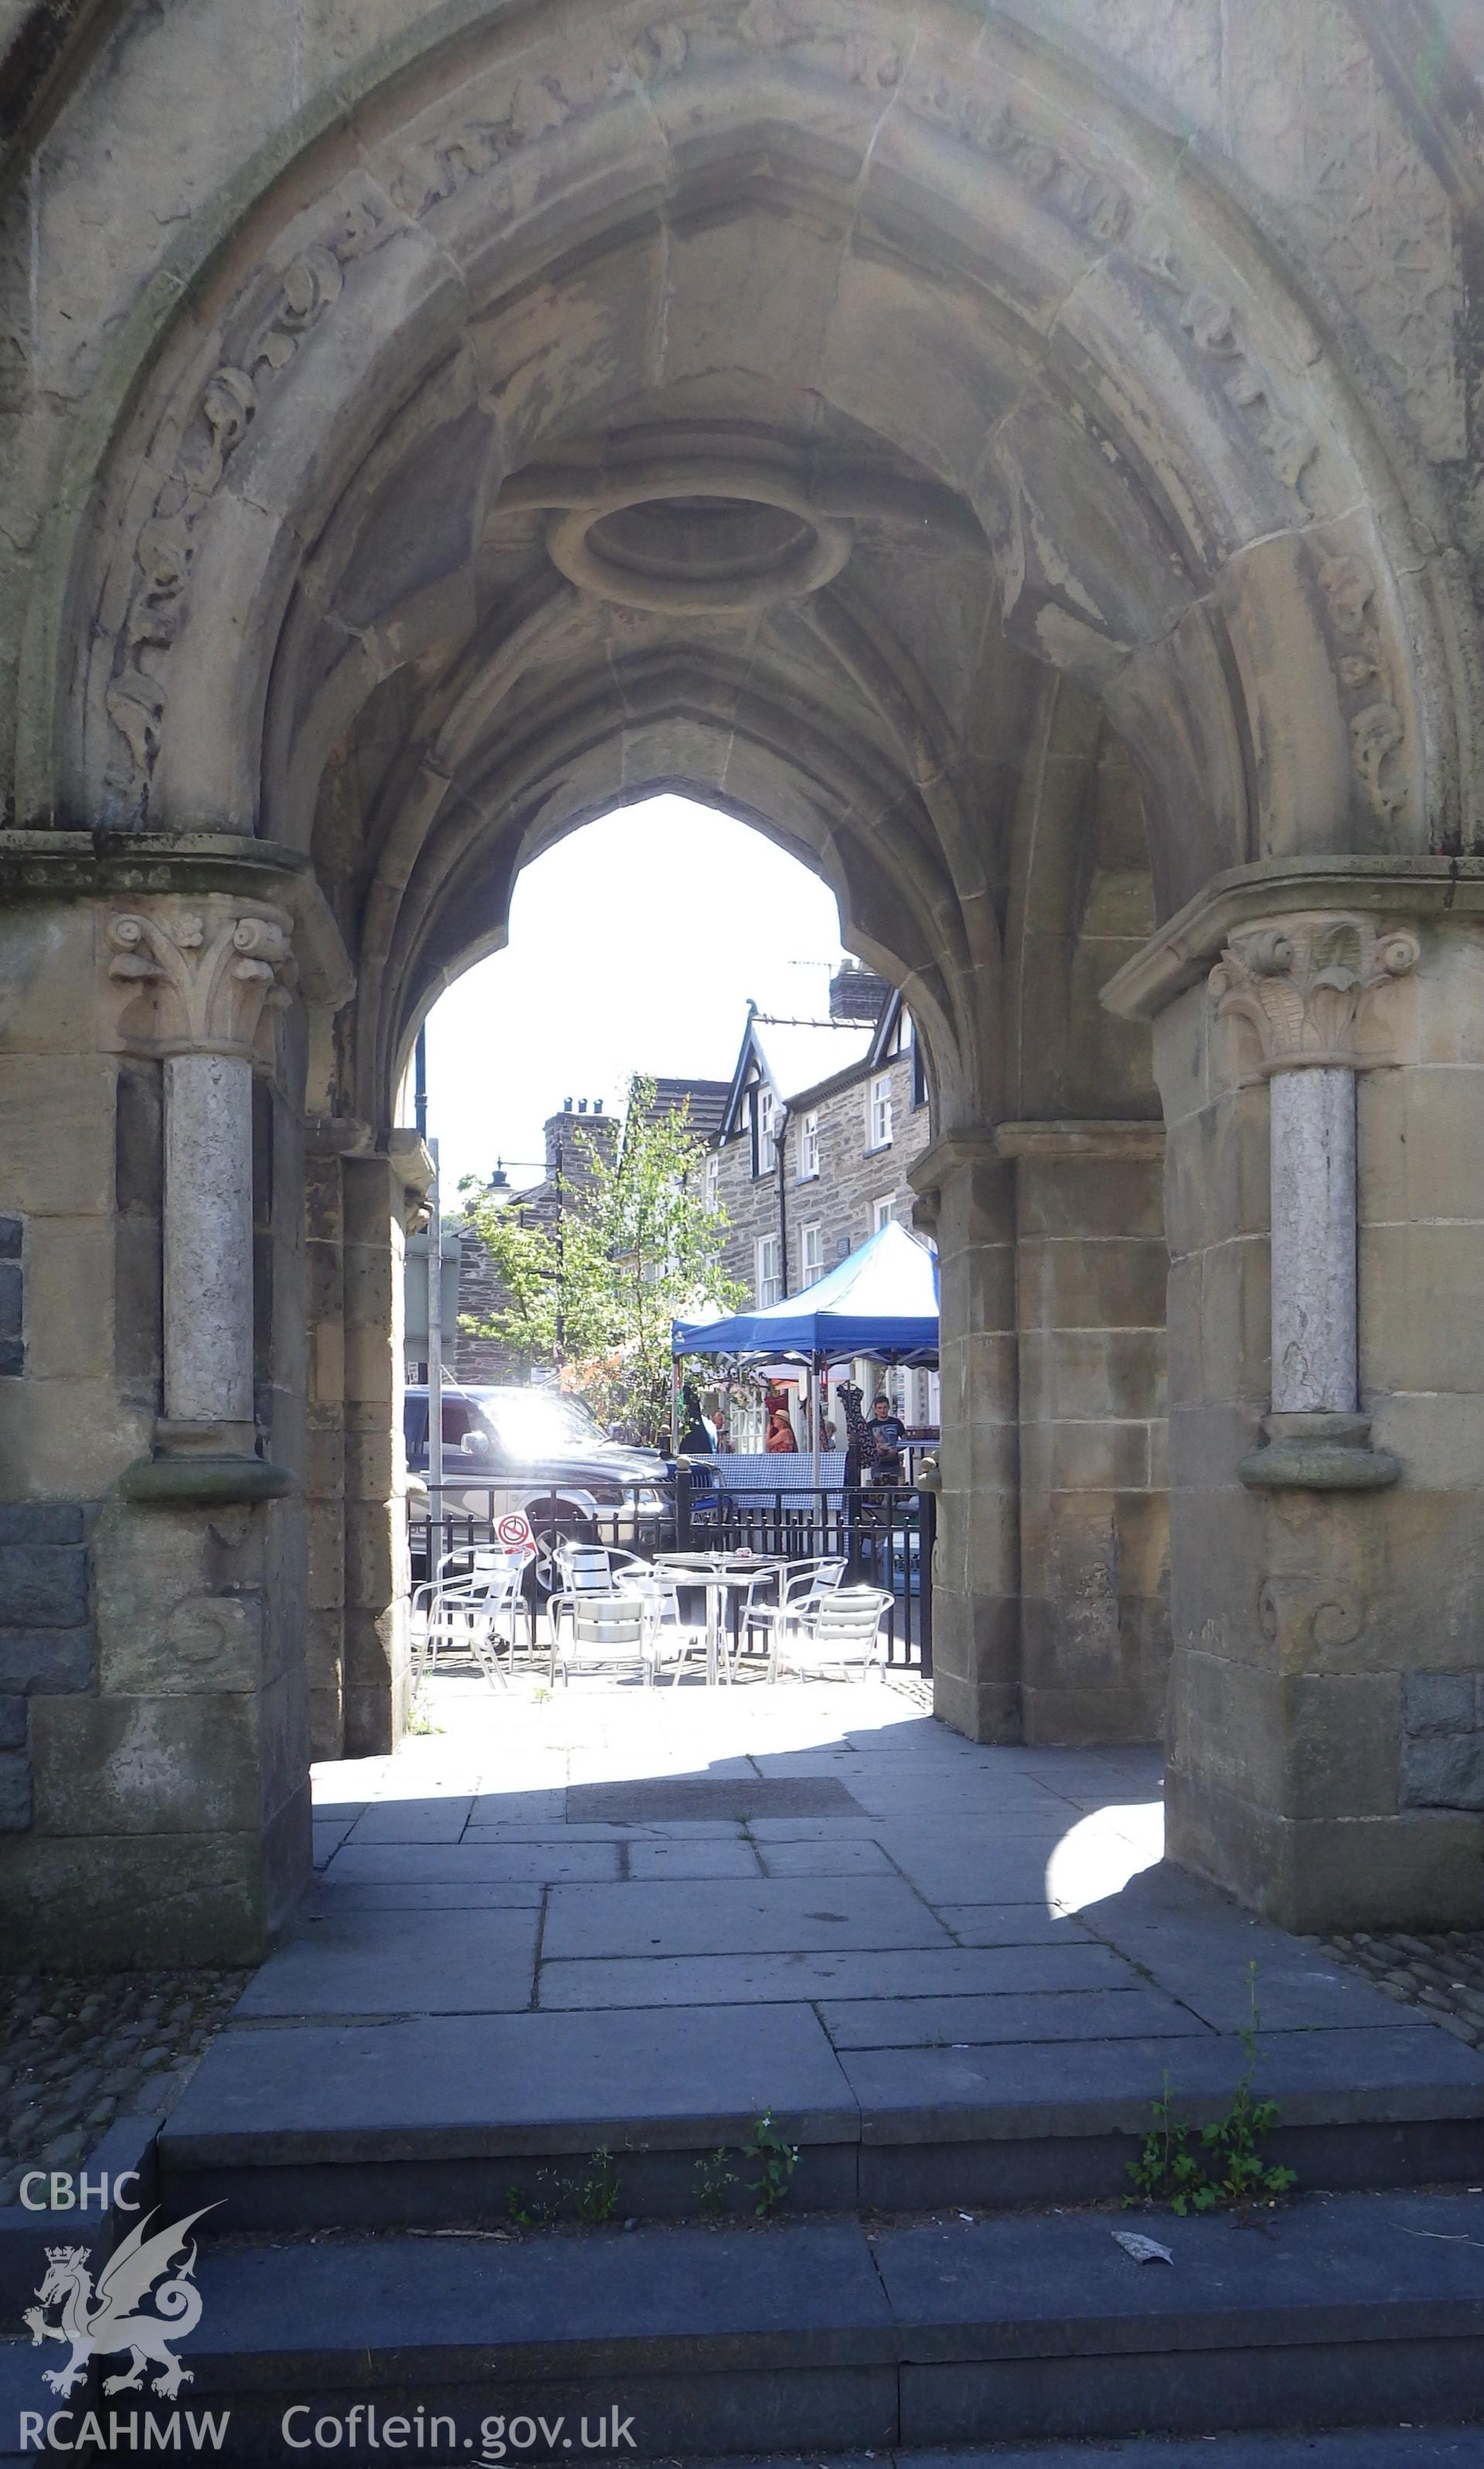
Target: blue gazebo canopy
882,1300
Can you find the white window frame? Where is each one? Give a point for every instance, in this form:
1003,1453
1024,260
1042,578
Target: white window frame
882,1210
878,1111
808,1149
769,1282
713,1180
767,1122
811,1252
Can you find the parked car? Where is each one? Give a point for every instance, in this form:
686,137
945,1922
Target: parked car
543,1454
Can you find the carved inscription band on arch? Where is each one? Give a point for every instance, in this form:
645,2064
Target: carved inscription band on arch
984,109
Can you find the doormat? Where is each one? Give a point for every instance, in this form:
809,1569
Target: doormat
666,1799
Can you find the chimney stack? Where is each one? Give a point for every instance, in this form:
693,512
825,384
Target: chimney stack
576,1131
857,993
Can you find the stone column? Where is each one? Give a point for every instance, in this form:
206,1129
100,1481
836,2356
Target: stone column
1305,986
1324,1735
198,981
1092,1271
209,1246
381,1193
967,1202
324,1461
1313,1139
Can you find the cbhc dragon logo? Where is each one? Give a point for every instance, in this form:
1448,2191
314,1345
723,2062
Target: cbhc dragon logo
101,2322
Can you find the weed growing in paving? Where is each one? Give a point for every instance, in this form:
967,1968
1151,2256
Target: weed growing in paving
594,2196
1215,2166
777,2158
713,2178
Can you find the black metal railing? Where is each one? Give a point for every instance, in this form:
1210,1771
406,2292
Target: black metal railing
620,1522
885,1534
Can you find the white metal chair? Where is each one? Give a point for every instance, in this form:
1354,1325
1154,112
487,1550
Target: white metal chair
582,1569
607,1633
827,1637
803,1585
676,1640
593,1571
475,1604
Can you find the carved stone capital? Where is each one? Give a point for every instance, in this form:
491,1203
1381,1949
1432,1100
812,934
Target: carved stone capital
1308,985
199,977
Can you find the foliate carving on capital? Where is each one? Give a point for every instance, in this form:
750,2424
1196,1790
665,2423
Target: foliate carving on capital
209,975
1308,986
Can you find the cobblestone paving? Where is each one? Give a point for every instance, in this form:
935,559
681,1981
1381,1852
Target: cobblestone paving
75,2054
1444,1973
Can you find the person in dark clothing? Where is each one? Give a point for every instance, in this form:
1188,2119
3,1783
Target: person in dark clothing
696,1436
859,1439
889,1434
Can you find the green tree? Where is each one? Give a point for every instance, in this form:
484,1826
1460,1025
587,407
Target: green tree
637,1249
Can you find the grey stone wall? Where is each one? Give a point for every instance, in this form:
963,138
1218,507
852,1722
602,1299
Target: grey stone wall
1443,1739
481,1360
47,1642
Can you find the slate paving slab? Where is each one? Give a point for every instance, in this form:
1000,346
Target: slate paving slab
474,1864
463,2086
840,1828
851,1858
813,2298
349,1961
1298,1988
777,1915
984,1925
414,1821
1075,2015
421,1895
1392,2446
657,1800
1336,2268
327,1840
556,1833
1103,2087
1016,1872
705,1859
524,1808
930,1972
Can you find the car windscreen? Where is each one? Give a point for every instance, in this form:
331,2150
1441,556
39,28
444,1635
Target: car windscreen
539,1425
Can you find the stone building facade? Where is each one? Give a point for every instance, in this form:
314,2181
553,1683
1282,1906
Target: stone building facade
805,1173
1026,460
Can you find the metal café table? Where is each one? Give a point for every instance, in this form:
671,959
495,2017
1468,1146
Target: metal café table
718,1572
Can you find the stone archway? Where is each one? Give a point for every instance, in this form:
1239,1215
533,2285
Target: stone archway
904,439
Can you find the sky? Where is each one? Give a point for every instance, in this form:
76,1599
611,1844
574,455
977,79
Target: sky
634,945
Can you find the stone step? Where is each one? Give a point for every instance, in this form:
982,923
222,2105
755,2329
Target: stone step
432,2120
1389,2447
1348,2310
